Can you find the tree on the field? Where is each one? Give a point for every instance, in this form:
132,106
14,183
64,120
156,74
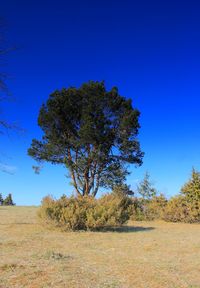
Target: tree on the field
91,131
191,190
145,188
8,201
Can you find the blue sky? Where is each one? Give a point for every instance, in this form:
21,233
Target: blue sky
148,49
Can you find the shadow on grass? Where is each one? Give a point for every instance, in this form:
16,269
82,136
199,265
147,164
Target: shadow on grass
127,229
16,223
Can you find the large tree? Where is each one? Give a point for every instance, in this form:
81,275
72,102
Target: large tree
93,132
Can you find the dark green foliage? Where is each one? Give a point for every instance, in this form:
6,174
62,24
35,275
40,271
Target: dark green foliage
85,213
8,201
1,199
145,188
92,132
123,189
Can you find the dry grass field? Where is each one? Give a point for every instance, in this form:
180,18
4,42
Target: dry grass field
141,255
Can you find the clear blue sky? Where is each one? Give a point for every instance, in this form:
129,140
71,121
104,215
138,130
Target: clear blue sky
150,50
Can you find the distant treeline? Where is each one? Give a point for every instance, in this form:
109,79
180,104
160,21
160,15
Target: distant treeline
8,201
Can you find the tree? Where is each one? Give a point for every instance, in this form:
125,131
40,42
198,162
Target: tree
92,132
8,200
1,199
191,190
145,187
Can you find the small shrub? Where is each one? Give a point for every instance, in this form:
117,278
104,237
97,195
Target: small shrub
56,256
85,213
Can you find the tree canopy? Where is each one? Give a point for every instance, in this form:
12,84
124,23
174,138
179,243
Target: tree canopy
93,132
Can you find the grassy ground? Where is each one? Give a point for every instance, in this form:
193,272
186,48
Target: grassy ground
142,255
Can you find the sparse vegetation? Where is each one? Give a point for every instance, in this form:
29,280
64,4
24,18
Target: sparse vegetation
158,253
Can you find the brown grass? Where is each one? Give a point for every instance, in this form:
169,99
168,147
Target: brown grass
141,255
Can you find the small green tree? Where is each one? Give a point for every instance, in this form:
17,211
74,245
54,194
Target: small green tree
191,190
8,201
92,132
1,199
145,188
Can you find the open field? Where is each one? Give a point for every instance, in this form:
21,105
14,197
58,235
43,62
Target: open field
144,254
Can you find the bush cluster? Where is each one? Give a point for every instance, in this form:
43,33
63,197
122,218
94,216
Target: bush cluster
85,213
186,206
111,210
145,210
179,209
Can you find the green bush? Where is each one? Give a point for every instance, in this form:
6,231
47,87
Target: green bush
191,189
155,207
186,206
110,211
146,210
85,213
179,209
136,209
